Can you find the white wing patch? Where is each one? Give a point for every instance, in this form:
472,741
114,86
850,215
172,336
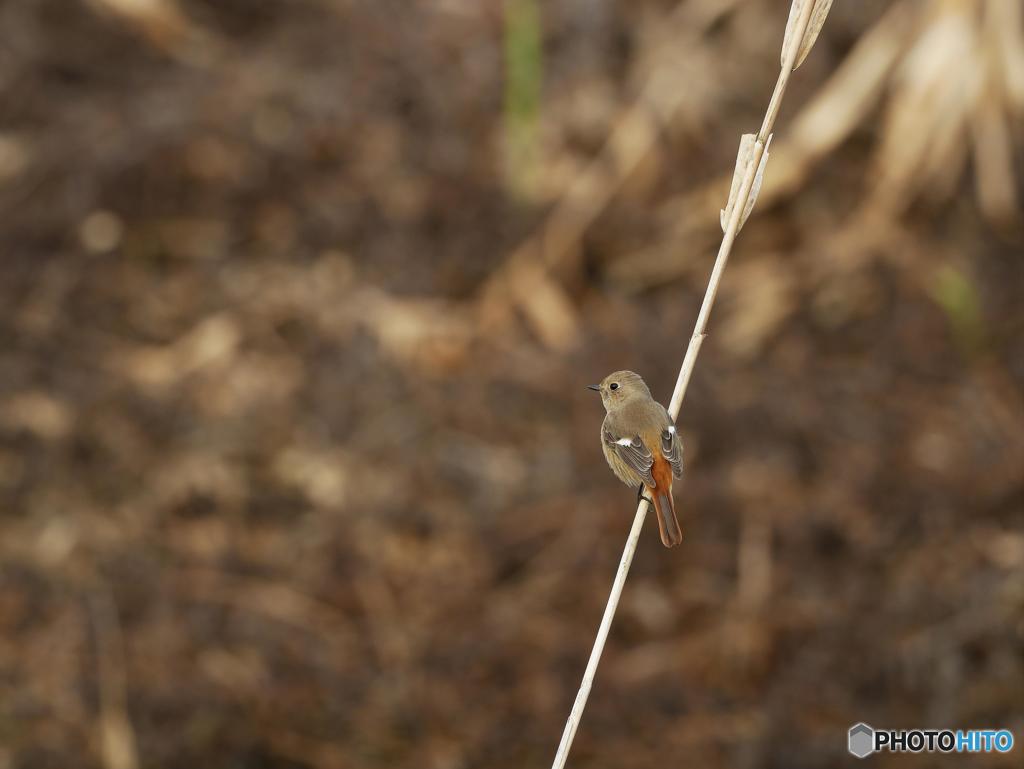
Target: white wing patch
672,450
635,457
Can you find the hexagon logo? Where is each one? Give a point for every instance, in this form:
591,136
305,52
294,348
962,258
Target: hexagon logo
860,740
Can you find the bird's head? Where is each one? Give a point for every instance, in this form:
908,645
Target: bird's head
619,387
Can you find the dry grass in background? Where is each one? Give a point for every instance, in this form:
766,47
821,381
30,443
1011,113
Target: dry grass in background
296,463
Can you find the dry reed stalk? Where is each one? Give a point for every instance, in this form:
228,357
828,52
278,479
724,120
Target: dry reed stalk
805,20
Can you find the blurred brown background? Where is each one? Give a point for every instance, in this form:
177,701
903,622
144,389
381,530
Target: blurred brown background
299,300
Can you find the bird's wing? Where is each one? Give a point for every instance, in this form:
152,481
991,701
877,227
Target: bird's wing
631,450
672,448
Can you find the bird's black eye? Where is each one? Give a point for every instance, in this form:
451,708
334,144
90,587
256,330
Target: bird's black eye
613,386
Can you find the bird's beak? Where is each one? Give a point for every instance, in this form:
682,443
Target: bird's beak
596,388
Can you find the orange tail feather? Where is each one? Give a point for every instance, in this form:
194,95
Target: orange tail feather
668,524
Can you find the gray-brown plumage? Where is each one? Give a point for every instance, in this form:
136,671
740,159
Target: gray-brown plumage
641,445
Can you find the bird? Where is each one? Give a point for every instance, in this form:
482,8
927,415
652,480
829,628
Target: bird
642,446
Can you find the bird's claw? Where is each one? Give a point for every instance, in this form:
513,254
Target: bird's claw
640,495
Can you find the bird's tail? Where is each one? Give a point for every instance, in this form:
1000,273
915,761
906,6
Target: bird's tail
668,524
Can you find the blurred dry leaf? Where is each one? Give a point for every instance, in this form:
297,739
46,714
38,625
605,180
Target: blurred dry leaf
118,740
194,238
161,21
212,341
754,559
431,334
324,477
180,479
651,605
296,747
251,382
1006,548
760,294
101,231
1004,26
545,304
242,671
55,542
37,412
15,156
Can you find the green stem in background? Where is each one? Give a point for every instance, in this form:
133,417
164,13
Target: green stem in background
524,69
955,292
